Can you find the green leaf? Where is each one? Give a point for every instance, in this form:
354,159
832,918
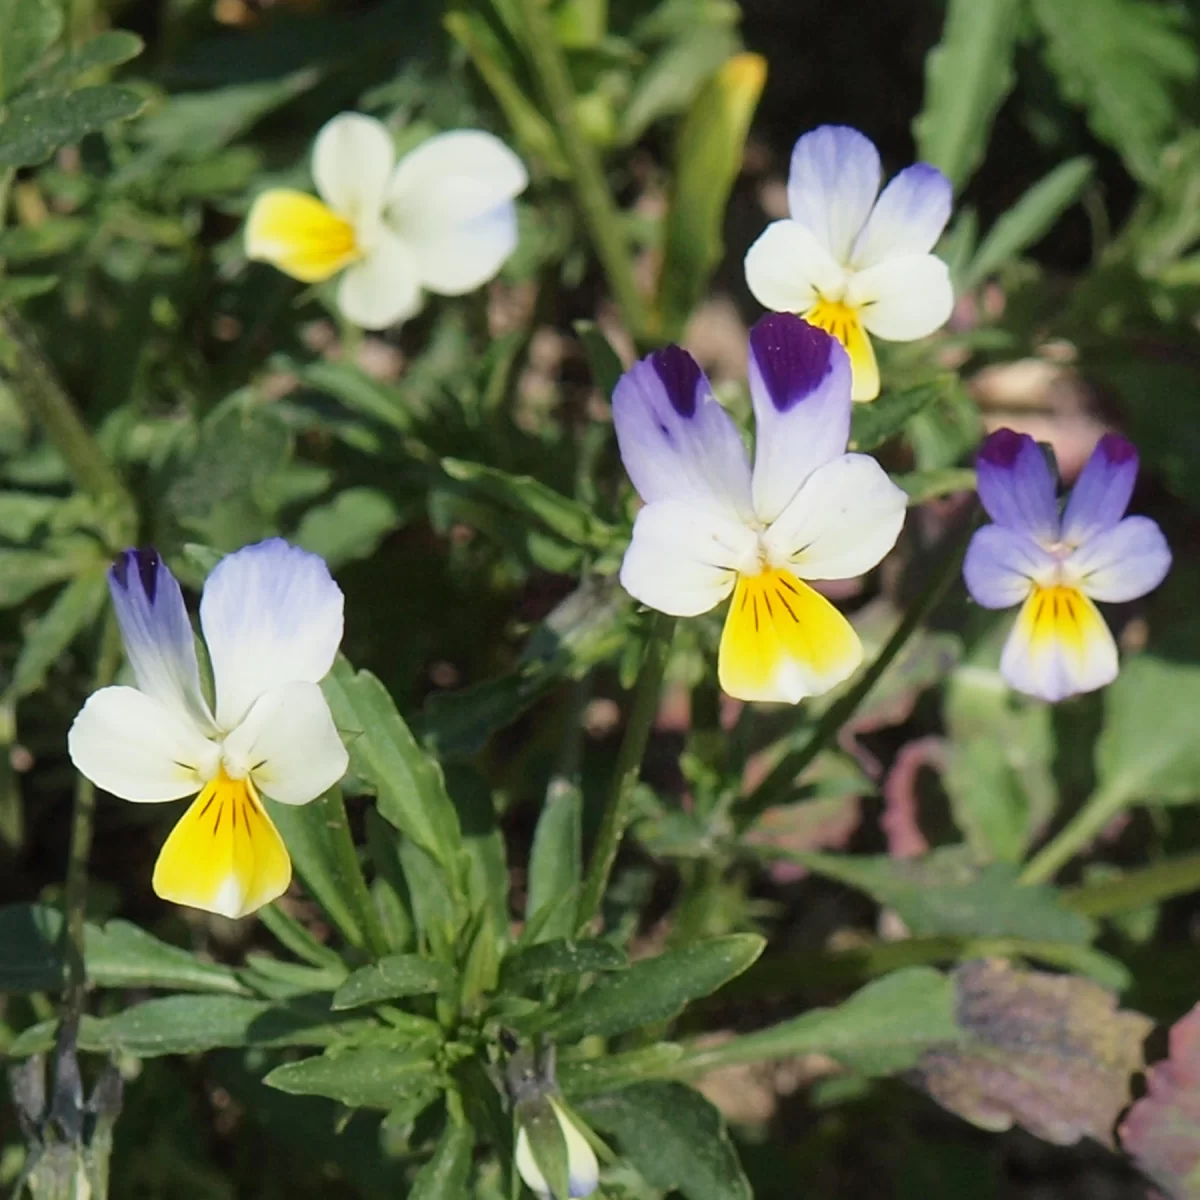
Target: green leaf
21,513
556,861
446,1175
408,782
34,127
28,28
1031,218
306,832
675,1138
392,977
108,49
350,527
708,158
1122,61
594,1076
367,1077
654,989
603,361
74,608
15,288
873,424
1148,749
672,80
967,76
921,486
189,1024
560,957
531,500
24,572
948,893
117,955
883,1028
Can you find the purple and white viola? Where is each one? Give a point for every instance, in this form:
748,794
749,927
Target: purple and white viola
1056,567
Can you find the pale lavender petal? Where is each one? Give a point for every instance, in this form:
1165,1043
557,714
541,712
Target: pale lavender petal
908,217
676,440
1002,566
800,387
1015,485
1122,562
157,634
1102,491
271,614
832,185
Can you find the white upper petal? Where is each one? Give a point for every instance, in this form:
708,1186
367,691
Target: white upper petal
351,165
903,298
132,745
832,185
463,257
683,557
788,266
382,288
841,523
908,217
452,179
800,387
288,745
271,614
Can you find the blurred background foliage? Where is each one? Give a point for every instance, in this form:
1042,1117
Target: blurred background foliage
460,476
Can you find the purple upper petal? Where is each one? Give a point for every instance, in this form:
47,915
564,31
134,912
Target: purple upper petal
832,185
1015,485
676,440
800,388
157,633
1102,491
1122,562
1002,566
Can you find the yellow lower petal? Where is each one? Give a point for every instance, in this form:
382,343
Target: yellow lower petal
843,322
783,641
225,855
298,234
1059,646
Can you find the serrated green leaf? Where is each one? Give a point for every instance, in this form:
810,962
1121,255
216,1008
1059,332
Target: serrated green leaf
1030,219
654,989
73,609
408,782
34,127
675,1138
1122,61
560,957
873,424
369,1077
967,76
392,977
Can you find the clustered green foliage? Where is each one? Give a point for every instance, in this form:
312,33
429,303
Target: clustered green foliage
351,1040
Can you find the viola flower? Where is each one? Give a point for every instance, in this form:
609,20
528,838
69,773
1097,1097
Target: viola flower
272,621
442,219
711,526
1055,568
583,1171
853,260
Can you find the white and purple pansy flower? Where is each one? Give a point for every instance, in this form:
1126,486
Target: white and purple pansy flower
271,615
852,259
1055,567
711,526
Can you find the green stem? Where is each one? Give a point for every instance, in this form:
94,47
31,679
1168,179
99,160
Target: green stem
587,173
629,765
44,400
79,847
1082,828
780,779
350,869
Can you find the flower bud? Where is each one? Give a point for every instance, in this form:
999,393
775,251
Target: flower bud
583,1171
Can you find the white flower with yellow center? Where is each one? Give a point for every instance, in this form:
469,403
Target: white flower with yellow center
851,259
711,526
272,621
442,219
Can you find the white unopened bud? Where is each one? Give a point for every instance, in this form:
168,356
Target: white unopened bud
583,1169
